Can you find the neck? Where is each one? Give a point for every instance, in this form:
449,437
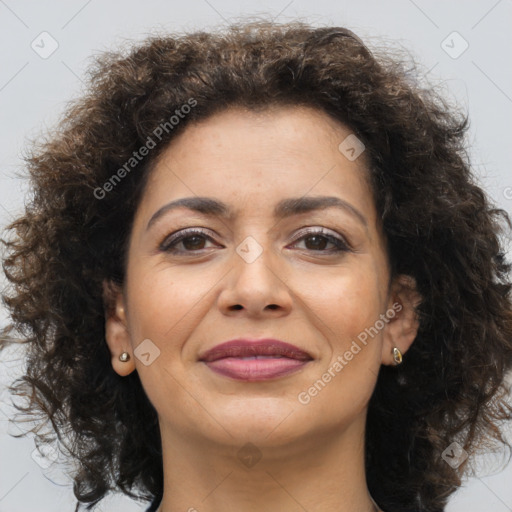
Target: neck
318,472
375,507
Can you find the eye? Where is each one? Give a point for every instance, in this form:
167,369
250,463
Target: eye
194,240
191,240
318,240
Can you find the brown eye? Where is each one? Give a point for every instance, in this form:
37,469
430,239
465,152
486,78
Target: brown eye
319,240
191,240
316,242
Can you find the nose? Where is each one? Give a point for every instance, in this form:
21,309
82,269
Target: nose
255,287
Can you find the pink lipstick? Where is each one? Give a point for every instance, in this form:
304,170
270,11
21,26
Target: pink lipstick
255,360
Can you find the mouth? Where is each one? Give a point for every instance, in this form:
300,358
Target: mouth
255,360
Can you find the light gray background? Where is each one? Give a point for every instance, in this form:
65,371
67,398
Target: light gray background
34,91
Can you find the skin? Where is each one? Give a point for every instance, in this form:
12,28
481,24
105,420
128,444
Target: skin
312,455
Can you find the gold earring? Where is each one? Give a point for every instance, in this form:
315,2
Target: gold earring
124,357
397,356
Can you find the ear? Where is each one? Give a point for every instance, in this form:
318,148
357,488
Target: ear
116,330
402,328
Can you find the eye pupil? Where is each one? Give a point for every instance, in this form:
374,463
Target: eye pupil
197,242
319,242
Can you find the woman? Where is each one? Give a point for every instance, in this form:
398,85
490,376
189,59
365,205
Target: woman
256,274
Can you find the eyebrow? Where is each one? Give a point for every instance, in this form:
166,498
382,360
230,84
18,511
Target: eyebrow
285,208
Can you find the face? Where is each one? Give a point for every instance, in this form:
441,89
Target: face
316,277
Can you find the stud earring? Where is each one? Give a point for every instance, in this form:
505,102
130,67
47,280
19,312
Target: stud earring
397,356
124,357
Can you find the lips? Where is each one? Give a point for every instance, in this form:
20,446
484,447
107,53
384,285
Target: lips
255,360
242,348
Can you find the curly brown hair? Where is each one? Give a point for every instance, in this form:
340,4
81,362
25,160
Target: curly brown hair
440,226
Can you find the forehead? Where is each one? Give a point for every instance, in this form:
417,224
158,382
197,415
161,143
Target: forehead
249,158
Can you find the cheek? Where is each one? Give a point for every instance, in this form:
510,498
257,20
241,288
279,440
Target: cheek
163,303
166,306
345,380
346,301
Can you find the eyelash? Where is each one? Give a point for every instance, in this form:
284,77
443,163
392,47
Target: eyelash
169,243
